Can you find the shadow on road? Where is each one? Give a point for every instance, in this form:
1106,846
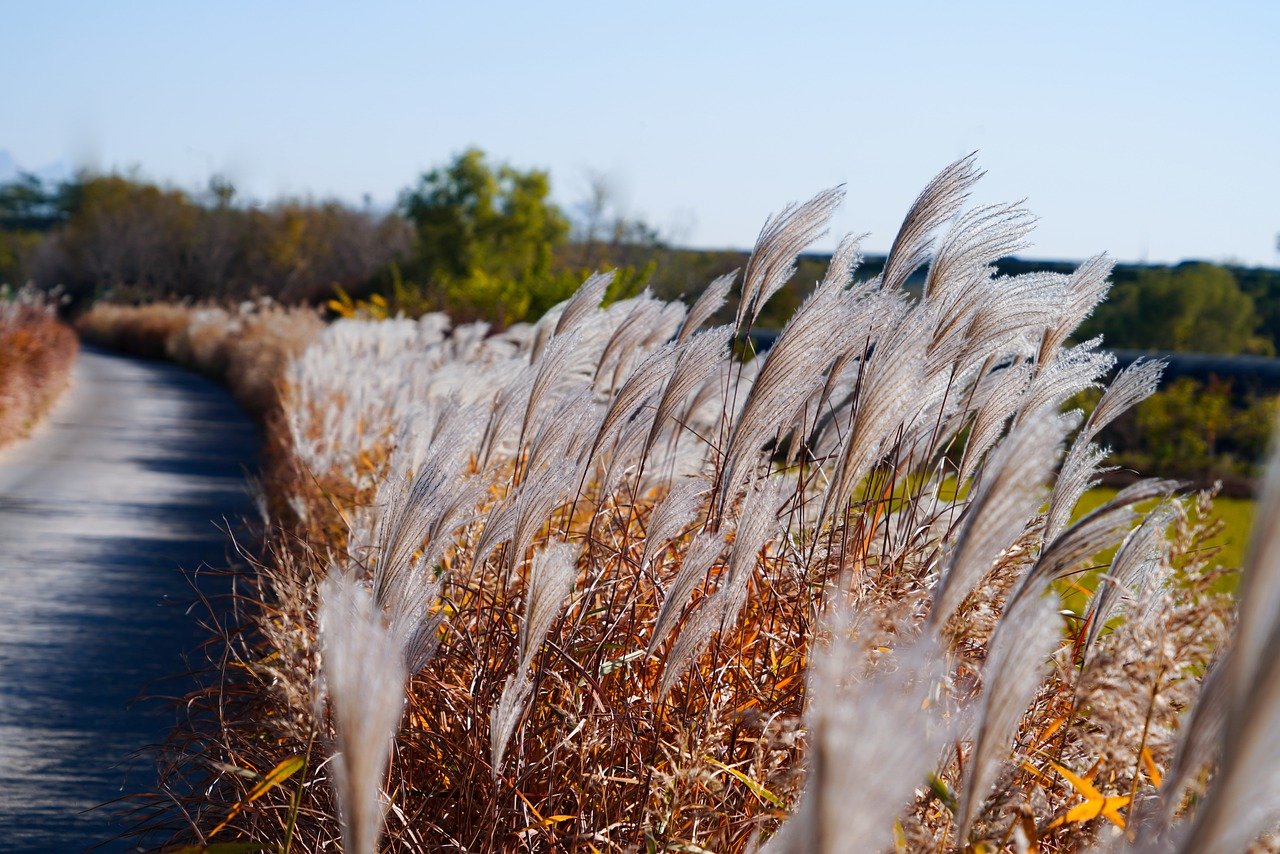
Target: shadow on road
130,481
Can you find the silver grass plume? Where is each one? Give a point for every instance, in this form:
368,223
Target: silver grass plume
700,624
1084,460
844,260
832,320
1199,742
549,488
1079,474
1259,592
364,677
975,240
550,370
756,525
625,453
774,399
940,200
667,326
1087,286
413,625
643,383
1002,390
893,381
1131,386
628,340
499,523
677,510
1004,501
976,312
1144,547
551,578
699,557
1097,531
505,714
1021,306
839,275
1025,637
699,359
513,397
574,416
1094,532
873,739
826,415
1244,798
708,303
584,301
411,507
1072,370
783,237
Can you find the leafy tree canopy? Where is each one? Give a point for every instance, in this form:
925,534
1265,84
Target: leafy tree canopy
473,220
1193,307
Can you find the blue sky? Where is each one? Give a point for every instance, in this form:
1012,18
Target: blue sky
1149,130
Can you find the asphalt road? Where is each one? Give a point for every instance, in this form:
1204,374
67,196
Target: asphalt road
130,480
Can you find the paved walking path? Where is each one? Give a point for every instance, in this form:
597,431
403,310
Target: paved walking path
129,480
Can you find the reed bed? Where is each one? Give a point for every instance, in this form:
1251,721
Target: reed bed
246,346
603,583
37,353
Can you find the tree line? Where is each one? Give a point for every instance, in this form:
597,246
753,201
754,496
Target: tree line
483,240
480,240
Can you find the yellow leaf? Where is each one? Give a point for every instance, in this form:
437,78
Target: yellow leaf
1050,730
1152,771
1091,809
899,838
756,789
1034,771
1095,803
1080,784
556,819
273,778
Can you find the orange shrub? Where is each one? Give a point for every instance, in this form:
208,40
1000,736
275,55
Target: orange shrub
37,353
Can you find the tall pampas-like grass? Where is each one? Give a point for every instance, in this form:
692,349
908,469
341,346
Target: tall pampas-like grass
364,679
636,588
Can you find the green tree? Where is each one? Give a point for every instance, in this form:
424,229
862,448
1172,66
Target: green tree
1193,307
486,239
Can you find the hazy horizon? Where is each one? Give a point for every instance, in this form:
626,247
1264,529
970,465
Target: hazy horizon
1143,131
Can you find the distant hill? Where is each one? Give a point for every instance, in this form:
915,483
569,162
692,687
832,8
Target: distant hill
51,173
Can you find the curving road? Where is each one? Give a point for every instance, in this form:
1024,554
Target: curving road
129,480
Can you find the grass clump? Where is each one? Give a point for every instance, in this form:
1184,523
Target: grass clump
37,353
246,346
596,583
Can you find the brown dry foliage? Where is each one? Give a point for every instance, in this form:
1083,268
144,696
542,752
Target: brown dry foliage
612,748
37,353
245,347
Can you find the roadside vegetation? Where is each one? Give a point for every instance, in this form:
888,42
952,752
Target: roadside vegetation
246,347
483,241
600,581
37,353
